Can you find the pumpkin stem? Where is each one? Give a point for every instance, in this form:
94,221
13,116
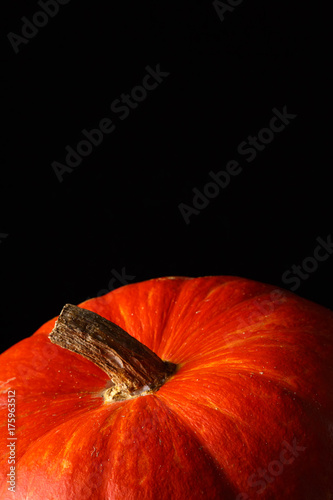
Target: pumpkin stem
133,368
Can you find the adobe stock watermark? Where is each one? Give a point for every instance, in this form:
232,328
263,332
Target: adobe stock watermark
11,440
309,265
262,477
122,108
30,28
249,148
263,307
223,7
117,280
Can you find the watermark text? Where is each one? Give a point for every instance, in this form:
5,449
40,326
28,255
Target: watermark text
11,440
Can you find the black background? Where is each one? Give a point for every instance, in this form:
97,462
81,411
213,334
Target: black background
118,210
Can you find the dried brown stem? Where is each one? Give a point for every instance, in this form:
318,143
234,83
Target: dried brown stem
132,367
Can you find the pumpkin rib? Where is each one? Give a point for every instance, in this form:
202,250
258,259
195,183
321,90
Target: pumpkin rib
41,443
193,415
180,287
270,321
194,334
225,484
187,419
83,412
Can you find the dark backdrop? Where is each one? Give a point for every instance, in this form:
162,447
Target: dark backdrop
115,217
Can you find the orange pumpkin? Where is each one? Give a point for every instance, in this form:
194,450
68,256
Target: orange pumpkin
244,406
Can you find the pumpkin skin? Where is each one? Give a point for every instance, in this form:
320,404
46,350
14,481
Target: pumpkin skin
254,373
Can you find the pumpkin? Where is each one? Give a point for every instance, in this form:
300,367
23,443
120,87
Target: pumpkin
173,388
